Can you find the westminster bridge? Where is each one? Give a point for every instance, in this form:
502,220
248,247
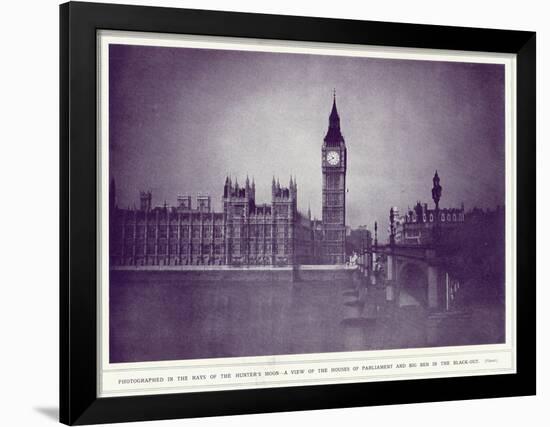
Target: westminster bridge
410,275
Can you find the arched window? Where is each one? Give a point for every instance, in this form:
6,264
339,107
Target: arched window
454,217
414,218
424,217
442,217
431,217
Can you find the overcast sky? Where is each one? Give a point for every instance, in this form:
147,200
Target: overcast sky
181,119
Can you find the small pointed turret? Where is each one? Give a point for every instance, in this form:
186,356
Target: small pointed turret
226,187
273,187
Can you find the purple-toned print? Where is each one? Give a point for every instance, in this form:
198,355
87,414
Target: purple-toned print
275,203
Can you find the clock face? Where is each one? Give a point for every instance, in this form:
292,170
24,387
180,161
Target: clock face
333,158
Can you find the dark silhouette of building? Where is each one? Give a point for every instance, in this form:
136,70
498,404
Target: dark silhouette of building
422,225
358,240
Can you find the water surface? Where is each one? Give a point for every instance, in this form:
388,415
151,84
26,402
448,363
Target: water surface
153,319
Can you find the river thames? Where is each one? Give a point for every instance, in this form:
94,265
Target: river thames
153,320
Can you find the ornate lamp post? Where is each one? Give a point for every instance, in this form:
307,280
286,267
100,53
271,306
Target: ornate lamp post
374,254
375,235
436,196
392,227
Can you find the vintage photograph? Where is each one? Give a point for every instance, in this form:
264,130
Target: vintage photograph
272,203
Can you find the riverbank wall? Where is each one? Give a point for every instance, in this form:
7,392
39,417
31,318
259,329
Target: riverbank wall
308,273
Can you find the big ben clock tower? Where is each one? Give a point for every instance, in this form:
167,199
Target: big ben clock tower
334,159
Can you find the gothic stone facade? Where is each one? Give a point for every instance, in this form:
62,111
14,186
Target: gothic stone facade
245,233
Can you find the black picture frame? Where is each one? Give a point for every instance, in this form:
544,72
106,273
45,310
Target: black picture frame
79,22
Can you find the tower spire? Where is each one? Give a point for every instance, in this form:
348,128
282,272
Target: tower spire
334,136
334,112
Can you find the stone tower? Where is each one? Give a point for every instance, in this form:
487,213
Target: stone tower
334,161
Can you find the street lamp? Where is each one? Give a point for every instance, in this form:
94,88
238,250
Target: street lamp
436,196
392,227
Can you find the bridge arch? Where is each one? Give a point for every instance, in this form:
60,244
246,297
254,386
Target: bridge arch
416,269
412,278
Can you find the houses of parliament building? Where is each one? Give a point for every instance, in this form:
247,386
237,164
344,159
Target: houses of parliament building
246,233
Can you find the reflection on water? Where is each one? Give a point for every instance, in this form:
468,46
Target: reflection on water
155,320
